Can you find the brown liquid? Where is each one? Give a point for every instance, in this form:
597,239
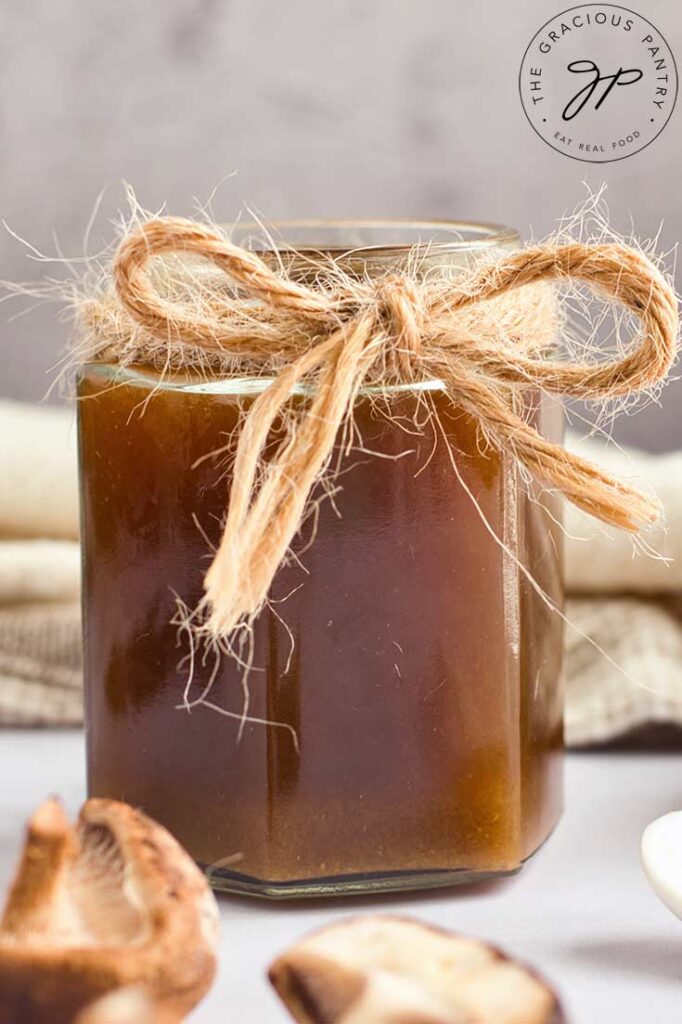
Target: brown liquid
423,682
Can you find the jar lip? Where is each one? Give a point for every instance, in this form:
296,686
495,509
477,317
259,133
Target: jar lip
154,379
374,237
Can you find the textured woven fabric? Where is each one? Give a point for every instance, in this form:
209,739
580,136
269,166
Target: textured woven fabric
630,675
40,665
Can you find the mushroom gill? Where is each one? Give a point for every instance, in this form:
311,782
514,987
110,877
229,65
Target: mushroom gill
113,902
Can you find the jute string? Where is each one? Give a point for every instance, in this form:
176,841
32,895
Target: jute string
484,333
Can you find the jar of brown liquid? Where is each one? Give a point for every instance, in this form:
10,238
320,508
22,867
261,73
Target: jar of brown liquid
400,725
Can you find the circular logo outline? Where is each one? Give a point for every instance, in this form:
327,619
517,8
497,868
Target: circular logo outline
617,7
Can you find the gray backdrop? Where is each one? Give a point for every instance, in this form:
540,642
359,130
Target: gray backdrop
405,108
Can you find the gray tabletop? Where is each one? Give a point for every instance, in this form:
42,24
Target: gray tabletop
581,911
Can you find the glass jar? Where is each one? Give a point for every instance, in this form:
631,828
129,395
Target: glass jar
403,727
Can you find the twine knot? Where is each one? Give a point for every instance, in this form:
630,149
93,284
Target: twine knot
486,334
399,315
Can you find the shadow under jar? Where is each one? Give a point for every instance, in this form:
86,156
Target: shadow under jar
409,671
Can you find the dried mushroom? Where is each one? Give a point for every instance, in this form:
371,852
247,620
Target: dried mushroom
391,970
113,902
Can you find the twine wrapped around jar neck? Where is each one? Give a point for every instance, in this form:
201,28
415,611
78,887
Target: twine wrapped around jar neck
485,334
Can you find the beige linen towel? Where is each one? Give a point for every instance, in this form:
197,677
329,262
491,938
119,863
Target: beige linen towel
641,684
627,603
39,570
38,495
40,664
40,656
603,560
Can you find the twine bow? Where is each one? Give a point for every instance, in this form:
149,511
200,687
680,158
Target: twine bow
343,332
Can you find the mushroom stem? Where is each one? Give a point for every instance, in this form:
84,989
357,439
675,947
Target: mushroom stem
48,851
131,1005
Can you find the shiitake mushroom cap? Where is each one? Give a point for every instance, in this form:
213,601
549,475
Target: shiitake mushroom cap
395,970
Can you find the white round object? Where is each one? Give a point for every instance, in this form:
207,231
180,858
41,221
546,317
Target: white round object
662,859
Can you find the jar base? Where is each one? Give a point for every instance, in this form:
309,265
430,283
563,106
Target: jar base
349,885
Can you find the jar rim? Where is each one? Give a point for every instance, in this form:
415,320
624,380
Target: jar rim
383,237
196,382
